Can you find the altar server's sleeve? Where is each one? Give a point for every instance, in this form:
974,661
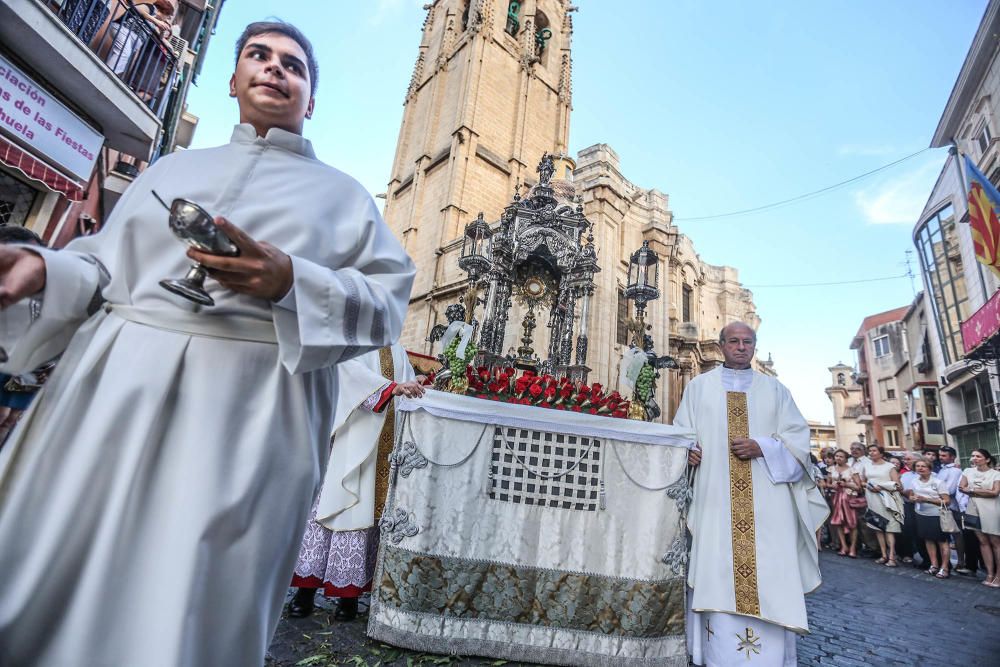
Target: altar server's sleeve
74,279
355,305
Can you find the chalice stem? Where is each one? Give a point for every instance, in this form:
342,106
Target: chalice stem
197,274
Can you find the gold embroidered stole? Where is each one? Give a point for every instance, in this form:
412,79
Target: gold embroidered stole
385,437
741,506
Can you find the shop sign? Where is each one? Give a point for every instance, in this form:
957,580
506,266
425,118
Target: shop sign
32,117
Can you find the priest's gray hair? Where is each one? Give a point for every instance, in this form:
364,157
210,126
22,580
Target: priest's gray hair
288,30
722,334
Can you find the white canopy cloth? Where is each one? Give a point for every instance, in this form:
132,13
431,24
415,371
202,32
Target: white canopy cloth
347,497
757,590
533,534
153,498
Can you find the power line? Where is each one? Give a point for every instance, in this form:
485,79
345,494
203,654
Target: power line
808,195
842,282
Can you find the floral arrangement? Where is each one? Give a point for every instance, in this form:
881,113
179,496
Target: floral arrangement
543,391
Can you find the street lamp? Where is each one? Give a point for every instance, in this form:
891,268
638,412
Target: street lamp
475,258
643,277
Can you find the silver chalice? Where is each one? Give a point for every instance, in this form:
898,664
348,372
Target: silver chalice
195,226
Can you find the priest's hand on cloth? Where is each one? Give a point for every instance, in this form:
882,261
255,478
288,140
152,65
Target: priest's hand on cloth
411,389
22,273
746,448
694,456
260,270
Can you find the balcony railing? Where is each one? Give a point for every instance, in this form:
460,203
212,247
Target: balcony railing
128,44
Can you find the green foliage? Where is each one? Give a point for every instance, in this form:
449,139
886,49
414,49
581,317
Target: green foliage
644,383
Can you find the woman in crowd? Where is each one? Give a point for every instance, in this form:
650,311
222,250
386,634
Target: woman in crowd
880,480
929,494
844,518
982,484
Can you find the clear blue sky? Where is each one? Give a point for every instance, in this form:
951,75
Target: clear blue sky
723,106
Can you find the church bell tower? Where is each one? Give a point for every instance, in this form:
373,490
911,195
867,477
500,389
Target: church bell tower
490,94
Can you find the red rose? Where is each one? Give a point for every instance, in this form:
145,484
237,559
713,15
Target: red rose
575,408
596,389
558,406
550,393
620,414
592,411
535,390
525,401
481,396
548,379
565,392
528,374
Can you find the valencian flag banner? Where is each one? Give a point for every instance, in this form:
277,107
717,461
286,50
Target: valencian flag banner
984,216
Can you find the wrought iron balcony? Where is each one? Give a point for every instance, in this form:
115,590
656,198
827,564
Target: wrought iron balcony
104,60
129,44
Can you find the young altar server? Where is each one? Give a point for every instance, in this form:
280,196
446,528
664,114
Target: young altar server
754,515
341,539
153,498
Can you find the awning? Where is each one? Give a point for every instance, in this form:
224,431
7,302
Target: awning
981,327
15,157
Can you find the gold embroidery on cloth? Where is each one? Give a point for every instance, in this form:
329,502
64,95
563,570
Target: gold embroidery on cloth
741,506
385,437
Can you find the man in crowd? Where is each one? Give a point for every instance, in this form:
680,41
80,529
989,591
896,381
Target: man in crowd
754,515
869,543
931,456
155,494
951,473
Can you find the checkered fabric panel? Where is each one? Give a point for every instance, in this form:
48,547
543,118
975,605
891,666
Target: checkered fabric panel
524,475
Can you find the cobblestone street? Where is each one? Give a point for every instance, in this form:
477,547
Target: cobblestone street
864,614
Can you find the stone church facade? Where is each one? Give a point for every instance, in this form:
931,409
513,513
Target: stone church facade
489,96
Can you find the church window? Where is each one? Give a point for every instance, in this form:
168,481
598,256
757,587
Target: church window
687,295
465,14
621,335
841,379
513,19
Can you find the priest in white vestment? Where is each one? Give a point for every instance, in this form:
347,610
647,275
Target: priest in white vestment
754,515
153,498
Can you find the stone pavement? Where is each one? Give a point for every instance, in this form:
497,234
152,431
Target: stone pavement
863,614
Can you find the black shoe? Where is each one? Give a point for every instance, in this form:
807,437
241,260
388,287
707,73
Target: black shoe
347,609
303,603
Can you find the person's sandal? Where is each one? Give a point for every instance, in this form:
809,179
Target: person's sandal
880,561
942,574
995,583
891,563
931,570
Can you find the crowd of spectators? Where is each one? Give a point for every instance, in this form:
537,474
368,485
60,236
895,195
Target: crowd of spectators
915,508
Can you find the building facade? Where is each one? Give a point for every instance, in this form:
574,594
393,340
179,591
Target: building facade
917,379
86,102
490,95
846,397
880,352
958,286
